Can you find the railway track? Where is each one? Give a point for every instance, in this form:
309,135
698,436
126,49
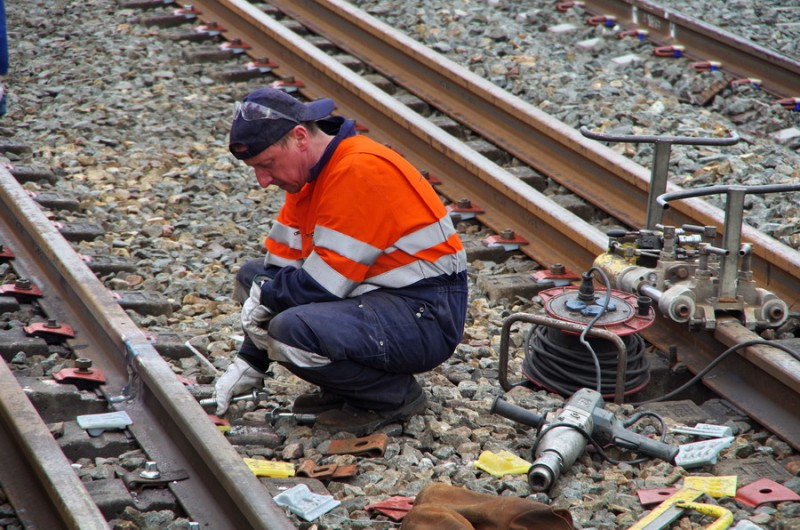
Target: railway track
206,476
598,174
221,492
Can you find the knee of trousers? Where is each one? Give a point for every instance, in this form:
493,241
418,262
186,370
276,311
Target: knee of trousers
286,344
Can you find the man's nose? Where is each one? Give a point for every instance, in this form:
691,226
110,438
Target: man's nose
264,179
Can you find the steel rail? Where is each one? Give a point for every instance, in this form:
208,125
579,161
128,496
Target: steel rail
509,202
221,491
589,169
779,74
555,234
37,478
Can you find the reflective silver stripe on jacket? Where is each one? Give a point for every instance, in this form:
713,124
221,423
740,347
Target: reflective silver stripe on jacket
413,272
418,270
427,237
327,276
272,259
345,245
286,235
282,352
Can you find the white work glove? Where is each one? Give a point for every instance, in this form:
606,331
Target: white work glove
237,379
256,317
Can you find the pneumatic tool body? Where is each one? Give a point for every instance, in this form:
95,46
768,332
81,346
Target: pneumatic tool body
563,438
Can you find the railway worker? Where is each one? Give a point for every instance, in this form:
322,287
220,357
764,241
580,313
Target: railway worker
364,280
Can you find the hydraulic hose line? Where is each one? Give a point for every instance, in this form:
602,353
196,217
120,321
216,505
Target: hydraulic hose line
558,361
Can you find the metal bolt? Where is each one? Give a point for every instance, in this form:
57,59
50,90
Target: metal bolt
83,365
507,234
23,283
52,323
150,471
557,268
464,203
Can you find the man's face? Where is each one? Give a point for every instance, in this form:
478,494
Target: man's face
282,165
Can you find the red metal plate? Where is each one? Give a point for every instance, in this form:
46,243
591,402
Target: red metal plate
655,495
394,507
763,491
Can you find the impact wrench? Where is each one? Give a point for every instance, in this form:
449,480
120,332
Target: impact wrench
562,440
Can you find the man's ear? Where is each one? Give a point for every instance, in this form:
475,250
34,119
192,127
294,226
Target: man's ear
301,136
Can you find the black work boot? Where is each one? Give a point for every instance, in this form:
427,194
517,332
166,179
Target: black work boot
362,421
316,402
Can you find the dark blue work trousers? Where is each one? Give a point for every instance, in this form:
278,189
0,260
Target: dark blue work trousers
376,342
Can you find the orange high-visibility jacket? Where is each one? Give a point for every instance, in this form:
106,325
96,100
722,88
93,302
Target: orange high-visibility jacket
369,220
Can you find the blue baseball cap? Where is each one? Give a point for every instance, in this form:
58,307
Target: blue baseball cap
266,115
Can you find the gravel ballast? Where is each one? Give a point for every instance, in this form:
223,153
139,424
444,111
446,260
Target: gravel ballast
139,136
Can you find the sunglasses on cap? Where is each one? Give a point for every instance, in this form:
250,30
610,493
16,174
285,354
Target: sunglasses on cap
252,111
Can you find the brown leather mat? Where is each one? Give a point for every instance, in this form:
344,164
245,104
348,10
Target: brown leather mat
444,507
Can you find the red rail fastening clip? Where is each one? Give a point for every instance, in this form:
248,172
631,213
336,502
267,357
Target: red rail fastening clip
464,209
235,46
21,287
212,28
83,375
640,34
557,275
507,239
433,180
752,81
288,84
360,127
262,64
608,21
49,328
790,103
669,51
188,11
565,6
707,66
5,253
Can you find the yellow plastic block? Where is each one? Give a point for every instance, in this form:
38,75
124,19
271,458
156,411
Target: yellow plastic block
265,468
716,487
502,463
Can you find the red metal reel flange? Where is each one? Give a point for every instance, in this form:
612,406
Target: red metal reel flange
622,317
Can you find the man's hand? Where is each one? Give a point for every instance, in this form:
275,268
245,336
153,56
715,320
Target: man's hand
255,317
237,379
